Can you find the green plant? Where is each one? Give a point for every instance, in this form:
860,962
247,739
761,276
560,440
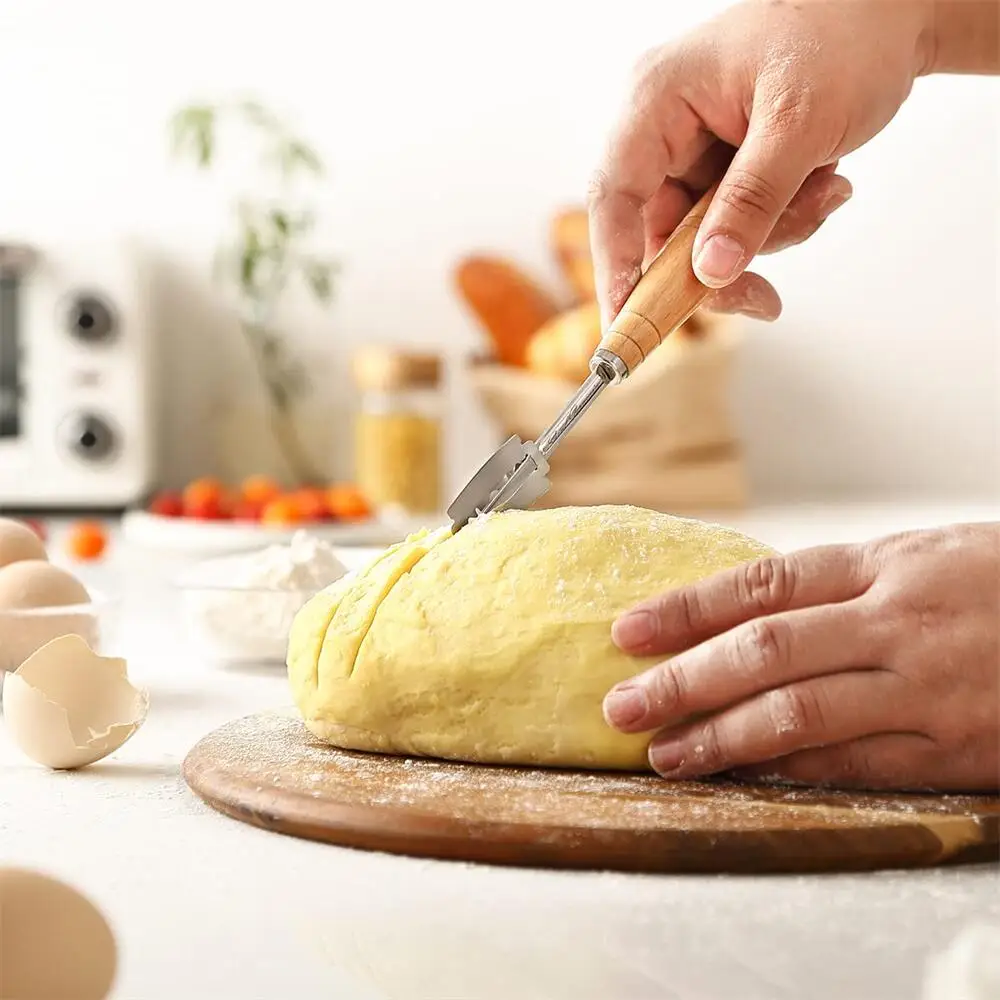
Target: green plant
268,250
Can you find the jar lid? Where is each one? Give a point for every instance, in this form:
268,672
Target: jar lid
393,368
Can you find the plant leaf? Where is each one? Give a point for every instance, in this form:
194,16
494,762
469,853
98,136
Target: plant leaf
281,221
293,156
250,258
255,113
319,277
193,130
305,157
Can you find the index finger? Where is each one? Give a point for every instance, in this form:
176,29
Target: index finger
688,615
657,137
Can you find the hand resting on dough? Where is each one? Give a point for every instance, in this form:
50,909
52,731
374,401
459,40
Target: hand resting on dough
874,666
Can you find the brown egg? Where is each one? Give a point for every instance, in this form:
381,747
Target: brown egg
32,584
17,542
53,941
35,583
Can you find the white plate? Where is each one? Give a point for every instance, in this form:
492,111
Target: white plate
190,536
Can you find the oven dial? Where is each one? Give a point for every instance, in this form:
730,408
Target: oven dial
91,320
89,437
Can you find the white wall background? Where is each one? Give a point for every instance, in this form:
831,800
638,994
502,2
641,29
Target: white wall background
450,126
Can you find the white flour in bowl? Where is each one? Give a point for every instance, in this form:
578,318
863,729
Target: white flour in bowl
240,607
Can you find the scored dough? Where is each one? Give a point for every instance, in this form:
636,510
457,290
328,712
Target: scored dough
494,645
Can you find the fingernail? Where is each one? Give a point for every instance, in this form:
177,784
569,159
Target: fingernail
719,259
833,202
625,705
666,757
634,629
753,310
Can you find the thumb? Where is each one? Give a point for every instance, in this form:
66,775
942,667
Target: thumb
768,169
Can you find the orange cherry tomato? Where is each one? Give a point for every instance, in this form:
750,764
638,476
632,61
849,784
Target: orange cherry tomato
281,512
207,500
311,503
259,489
87,540
248,510
169,503
346,502
201,494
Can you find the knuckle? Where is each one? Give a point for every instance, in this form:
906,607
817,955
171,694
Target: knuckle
749,194
876,618
689,611
769,582
797,710
670,687
855,765
710,750
863,560
905,543
760,649
789,109
901,616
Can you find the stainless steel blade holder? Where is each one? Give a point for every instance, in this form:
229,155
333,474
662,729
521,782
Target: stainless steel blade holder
517,473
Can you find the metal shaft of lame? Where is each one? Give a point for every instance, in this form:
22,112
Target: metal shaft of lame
582,399
549,440
526,478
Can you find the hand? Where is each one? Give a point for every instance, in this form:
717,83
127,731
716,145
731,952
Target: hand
794,86
873,666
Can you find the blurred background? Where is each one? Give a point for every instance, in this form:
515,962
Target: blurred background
449,131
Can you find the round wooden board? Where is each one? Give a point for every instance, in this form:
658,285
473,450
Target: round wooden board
267,770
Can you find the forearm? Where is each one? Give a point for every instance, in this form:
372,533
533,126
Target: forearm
964,37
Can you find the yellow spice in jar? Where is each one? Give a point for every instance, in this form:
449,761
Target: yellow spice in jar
398,460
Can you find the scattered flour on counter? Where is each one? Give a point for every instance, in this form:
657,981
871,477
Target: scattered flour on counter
242,606
968,969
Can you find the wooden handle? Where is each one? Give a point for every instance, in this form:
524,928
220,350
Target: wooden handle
666,295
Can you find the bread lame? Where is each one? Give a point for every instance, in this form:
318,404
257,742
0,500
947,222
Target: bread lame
517,473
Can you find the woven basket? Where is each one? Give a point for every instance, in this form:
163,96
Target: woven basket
663,439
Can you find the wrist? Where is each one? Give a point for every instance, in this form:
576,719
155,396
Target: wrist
960,36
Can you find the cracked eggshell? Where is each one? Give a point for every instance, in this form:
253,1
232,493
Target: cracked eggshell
54,942
66,707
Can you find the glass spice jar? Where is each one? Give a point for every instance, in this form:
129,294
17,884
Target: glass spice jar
398,429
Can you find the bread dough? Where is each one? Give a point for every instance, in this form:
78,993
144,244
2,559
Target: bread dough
494,645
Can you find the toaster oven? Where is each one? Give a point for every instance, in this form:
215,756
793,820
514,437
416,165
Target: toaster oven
75,366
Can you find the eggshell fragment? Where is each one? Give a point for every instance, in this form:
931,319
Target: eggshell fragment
18,541
53,941
66,707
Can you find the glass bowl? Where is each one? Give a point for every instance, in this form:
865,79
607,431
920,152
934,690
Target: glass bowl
239,624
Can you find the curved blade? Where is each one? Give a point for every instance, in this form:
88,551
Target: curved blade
515,475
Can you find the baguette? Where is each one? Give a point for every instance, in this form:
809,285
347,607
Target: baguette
508,304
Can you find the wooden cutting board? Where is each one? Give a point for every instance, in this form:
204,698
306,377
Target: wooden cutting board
267,770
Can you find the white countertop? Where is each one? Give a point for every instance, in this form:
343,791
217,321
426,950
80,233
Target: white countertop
206,908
